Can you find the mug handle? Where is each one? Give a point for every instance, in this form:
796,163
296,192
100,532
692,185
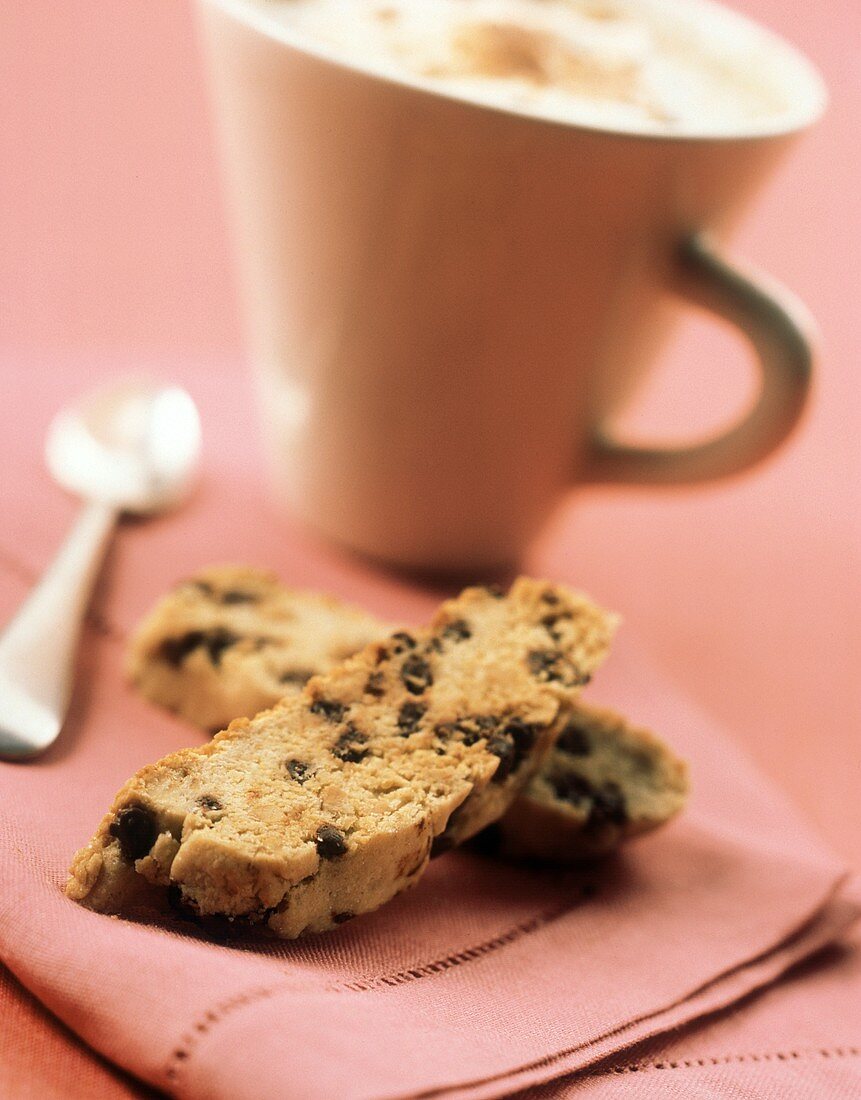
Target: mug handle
781,332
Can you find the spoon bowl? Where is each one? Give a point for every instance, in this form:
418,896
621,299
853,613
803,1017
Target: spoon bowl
130,447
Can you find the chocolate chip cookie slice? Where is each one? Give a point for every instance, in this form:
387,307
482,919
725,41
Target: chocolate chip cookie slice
329,804
232,640
604,782
307,632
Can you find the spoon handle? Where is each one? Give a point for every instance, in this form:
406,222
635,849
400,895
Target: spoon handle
37,649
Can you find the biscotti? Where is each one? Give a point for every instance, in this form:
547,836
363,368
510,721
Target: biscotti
571,812
331,803
232,640
604,782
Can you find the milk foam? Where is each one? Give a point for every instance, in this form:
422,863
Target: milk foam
614,63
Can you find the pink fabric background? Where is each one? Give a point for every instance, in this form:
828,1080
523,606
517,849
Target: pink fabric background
114,255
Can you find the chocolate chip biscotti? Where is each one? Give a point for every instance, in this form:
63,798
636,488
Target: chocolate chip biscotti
304,633
604,782
233,640
329,804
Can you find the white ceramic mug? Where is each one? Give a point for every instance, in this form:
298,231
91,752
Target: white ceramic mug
448,302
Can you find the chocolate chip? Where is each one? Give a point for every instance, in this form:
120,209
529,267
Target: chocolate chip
609,807
416,675
348,746
434,645
330,842
483,722
550,597
375,685
298,770
503,747
409,717
403,642
217,641
642,761
469,729
523,736
175,650
342,918
204,587
571,787
542,663
574,740
237,595
329,709
549,623
476,726
298,676
457,631
551,666
136,829
207,802
496,591
606,804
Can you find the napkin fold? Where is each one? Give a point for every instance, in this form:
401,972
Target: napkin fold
485,979
798,1037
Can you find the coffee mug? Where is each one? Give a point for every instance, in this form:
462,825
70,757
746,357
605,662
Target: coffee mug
448,301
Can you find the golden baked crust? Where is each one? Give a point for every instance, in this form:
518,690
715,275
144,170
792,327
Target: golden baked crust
329,804
233,640
604,782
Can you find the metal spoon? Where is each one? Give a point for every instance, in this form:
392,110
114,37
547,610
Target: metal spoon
131,447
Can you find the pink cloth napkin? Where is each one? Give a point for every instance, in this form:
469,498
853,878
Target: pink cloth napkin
800,1037
484,979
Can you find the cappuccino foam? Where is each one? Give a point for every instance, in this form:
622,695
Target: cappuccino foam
620,64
